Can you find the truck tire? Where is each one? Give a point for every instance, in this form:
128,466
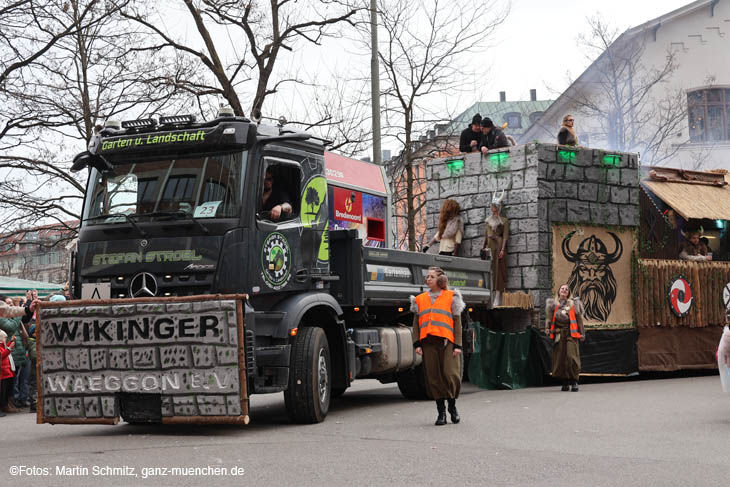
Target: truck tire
412,383
307,397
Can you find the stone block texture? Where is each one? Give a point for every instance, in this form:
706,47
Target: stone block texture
187,353
544,184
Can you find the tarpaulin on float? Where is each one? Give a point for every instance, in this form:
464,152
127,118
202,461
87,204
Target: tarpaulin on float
609,352
507,360
522,359
665,349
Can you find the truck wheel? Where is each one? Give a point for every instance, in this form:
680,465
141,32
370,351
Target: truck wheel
412,383
337,392
307,397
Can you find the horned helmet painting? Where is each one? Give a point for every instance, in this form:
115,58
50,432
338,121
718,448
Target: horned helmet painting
592,278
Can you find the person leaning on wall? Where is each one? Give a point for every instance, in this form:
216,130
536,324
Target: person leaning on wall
469,138
566,134
437,336
492,137
450,230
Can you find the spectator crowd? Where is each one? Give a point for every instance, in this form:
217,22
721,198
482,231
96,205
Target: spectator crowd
18,351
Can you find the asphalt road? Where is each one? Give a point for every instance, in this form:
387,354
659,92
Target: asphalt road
642,432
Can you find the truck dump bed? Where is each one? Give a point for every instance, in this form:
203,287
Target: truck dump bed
376,276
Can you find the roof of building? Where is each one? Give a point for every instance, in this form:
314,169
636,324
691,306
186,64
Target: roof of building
692,194
496,110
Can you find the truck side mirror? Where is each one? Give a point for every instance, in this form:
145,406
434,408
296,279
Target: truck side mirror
87,159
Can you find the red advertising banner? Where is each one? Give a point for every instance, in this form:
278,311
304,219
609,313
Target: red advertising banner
347,205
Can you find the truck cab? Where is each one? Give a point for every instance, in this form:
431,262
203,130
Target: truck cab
176,209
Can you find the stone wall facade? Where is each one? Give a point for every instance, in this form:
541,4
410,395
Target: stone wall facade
186,352
544,184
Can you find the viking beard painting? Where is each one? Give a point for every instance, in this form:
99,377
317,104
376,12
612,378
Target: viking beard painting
592,278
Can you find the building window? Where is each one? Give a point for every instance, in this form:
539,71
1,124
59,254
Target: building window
534,116
709,115
513,119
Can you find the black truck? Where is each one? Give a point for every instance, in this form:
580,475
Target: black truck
174,207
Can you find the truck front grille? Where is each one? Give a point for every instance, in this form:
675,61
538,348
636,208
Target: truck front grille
167,284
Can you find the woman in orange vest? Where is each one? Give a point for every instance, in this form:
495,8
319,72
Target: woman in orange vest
437,334
564,322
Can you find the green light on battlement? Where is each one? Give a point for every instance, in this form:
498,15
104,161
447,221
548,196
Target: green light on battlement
612,160
499,158
566,156
455,166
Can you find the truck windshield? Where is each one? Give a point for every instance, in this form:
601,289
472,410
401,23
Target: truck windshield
201,187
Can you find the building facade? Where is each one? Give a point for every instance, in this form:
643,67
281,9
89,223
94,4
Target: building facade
38,254
662,89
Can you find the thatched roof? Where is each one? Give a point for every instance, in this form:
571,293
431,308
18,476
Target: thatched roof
692,194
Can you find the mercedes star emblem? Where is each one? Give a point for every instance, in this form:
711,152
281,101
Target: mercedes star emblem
143,243
143,284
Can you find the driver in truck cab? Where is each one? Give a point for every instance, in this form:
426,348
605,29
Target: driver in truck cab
274,200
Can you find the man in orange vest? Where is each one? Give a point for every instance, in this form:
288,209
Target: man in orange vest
437,335
564,319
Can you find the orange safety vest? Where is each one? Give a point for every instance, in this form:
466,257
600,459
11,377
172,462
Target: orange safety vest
574,331
435,318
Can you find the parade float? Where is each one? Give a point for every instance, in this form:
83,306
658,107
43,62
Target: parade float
612,230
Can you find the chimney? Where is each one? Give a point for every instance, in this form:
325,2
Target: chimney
502,96
533,95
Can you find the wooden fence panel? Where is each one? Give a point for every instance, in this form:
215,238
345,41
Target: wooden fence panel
707,279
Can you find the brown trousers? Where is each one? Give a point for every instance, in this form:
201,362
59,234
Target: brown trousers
566,356
443,374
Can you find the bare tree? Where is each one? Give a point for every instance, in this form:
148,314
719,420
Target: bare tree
428,50
424,149
55,102
631,101
339,112
262,30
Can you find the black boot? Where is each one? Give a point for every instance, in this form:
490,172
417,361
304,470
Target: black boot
574,387
455,418
441,407
565,387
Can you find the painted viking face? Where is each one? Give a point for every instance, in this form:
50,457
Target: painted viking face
592,278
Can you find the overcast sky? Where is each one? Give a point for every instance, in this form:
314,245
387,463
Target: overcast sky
538,42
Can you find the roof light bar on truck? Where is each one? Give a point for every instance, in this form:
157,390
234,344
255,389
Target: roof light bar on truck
142,123
177,119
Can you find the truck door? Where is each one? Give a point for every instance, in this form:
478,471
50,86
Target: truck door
291,219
